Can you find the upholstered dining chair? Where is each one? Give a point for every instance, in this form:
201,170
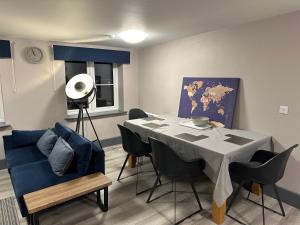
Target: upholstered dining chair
136,113
264,168
134,146
169,164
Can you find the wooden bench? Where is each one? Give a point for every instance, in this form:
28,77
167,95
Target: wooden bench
45,198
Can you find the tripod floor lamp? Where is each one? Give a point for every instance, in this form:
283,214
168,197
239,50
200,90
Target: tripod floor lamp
78,90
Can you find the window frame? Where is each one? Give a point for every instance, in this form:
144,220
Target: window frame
2,116
92,106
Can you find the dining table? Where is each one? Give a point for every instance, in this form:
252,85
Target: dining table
216,145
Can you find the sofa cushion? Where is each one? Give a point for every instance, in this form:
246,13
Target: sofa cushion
62,131
61,157
35,176
23,155
83,153
25,137
46,143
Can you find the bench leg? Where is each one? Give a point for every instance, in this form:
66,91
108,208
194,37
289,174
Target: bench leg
36,219
103,205
33,219
28,218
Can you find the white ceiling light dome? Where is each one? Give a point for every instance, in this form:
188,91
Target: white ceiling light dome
133,36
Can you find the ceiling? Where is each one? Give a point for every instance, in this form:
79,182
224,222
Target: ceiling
164,20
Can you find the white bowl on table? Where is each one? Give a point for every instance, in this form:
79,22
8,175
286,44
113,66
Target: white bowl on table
200,120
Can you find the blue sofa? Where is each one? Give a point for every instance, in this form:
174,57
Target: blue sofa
30,170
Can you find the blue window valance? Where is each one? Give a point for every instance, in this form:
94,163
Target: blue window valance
68,53
5,49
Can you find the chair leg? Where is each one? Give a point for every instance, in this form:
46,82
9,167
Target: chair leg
153,188
137,175
278,199
196,195
175,200
248,195
124,164
233,198
282,213
263,203
156,172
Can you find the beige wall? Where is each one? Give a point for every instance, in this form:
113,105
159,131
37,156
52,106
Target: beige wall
265,55
36,105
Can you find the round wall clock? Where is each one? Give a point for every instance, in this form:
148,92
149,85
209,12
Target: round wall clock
33,54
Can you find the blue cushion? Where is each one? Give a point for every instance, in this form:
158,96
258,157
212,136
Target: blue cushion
23,155
35,176
46,143
83,153
61,157
25,137
62,131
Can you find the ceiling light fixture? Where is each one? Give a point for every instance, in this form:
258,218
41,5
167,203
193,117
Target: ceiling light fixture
133,36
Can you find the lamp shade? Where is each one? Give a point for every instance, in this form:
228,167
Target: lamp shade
80,87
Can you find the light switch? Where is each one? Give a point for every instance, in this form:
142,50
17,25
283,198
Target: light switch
284,110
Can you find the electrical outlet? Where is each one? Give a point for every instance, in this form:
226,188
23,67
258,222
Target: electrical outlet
284,110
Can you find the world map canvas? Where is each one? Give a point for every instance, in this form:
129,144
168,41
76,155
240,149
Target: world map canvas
211,97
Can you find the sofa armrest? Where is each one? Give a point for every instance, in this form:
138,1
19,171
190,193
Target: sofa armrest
97,163
22,138
7,142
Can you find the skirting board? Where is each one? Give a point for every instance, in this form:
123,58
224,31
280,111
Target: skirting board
111,141
286,196
2,164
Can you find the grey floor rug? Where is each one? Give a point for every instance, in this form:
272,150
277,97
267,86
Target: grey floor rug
8,212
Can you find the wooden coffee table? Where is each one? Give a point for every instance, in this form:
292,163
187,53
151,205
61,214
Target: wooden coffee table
46,198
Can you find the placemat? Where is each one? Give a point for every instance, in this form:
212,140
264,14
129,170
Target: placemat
152,118
237,139
190,137
154,125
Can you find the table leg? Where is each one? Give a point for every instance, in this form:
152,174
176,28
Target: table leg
131,161
256,189
218,213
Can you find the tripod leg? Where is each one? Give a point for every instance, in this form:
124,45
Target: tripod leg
87,113
82,122
78,121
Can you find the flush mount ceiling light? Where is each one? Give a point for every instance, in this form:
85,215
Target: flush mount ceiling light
133,36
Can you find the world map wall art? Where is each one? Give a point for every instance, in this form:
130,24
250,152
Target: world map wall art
211,97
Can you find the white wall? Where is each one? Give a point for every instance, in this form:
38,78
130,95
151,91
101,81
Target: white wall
36,105
265,55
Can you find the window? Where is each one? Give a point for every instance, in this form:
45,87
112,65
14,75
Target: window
105,76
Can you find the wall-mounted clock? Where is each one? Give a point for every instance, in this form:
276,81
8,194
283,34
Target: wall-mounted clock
34,54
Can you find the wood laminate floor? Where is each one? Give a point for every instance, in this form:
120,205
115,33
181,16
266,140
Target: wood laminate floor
125,208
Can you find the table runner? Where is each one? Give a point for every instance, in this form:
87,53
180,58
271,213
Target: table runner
217,152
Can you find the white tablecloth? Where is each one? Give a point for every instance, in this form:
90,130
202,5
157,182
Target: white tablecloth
217,153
